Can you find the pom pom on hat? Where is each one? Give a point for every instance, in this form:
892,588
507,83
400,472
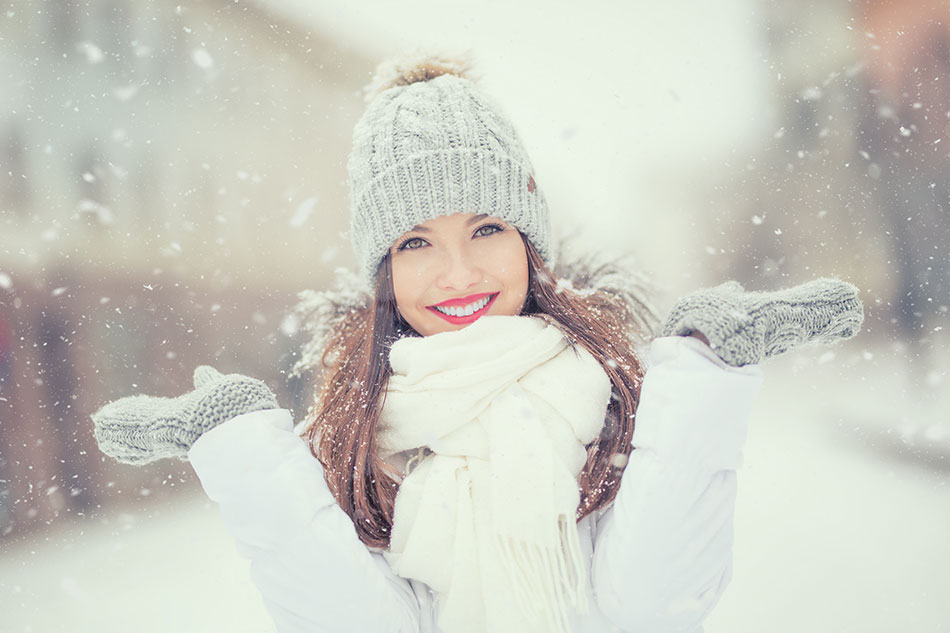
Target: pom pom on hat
415,67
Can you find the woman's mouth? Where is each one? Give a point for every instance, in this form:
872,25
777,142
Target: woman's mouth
465,309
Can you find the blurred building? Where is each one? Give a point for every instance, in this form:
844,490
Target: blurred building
170,176
856,178
906,125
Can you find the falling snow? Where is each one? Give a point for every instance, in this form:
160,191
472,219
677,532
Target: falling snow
171,179
202,59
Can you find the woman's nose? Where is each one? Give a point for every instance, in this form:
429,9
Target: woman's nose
460,271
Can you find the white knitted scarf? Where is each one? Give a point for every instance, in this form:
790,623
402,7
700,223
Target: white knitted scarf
487,520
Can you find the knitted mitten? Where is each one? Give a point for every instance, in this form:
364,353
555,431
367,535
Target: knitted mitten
142,429
744,328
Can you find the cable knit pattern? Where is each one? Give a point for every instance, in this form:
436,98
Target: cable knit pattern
141,429
435,148
744,328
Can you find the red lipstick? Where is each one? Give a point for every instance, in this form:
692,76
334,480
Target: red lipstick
482,300
463,301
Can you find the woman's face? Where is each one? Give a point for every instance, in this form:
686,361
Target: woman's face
450,271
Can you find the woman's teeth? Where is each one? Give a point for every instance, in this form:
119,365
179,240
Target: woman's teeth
465,310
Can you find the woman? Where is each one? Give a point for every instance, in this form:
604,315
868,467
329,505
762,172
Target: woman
491,453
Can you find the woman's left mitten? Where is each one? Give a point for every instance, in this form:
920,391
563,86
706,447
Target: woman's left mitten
141,429
744,328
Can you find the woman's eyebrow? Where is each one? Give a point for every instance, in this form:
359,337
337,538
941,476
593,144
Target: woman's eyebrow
473,220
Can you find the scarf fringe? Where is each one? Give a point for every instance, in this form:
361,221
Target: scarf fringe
547,581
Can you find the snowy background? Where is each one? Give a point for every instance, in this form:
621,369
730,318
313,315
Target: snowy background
171,174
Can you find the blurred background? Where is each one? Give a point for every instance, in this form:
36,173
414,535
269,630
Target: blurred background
172,174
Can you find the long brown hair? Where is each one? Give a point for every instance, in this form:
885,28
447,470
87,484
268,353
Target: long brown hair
342,429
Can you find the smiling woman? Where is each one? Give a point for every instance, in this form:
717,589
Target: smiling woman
491,453
452,270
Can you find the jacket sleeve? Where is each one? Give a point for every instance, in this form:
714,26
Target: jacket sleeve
313,572
663,550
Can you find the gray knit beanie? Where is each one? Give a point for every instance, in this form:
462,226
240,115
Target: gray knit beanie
431,144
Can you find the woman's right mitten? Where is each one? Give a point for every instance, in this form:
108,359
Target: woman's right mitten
141,429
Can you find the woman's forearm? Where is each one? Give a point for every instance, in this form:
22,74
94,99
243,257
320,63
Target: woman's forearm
312,570
663,553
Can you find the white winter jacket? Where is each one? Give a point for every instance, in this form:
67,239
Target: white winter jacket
660,555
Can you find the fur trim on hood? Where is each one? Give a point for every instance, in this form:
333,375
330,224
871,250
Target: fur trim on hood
319,313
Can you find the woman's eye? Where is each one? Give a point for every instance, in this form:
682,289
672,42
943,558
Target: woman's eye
412,243
487,229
